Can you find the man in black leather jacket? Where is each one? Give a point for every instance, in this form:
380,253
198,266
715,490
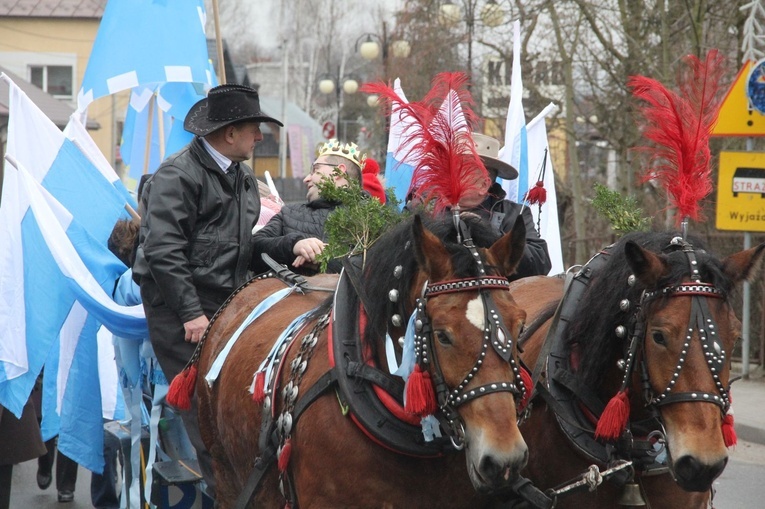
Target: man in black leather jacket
195,243
295,236
502,213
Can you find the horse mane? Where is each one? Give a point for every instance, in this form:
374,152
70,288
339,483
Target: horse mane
396,248
599,314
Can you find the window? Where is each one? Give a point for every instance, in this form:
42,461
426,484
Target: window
54,79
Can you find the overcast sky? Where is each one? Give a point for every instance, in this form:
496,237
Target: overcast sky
266,15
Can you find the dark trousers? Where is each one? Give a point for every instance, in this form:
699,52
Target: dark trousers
66,469
167,334
6,478
103,487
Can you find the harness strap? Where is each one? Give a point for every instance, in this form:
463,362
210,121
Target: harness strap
283,273
375,376
581,391
268,457
552,332
260,468
531,495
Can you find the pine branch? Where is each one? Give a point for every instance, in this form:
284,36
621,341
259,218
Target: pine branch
621,211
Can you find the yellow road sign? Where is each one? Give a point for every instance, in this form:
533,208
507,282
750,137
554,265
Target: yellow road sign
737,117
741,192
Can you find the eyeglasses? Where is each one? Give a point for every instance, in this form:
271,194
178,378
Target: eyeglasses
315,166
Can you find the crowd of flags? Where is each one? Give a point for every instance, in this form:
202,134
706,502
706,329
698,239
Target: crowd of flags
61,199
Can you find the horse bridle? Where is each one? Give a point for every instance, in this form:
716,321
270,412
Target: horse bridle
700,320
495,333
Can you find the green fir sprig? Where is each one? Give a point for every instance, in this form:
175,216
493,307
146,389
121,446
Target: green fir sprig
621,211
357,223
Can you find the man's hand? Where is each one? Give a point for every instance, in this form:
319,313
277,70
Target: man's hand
195,328
307,250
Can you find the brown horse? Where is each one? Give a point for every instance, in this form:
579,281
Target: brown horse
337,453
649,318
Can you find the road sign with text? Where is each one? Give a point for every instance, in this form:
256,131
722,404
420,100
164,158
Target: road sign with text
741,192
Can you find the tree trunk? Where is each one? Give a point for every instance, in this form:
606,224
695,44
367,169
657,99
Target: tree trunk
574,171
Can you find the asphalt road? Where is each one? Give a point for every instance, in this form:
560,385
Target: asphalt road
741,486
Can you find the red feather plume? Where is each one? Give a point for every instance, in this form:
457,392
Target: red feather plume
679,124
438,136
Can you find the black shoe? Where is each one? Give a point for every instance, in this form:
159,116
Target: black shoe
43,479
65,496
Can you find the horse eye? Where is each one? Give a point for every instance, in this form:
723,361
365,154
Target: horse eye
443,338
659,338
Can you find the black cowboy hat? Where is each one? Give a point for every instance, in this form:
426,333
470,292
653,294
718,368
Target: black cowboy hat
224,105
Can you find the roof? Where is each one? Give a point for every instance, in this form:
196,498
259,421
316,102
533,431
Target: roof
53,8
56,110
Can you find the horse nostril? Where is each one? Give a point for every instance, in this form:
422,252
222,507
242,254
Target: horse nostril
692,475
490,468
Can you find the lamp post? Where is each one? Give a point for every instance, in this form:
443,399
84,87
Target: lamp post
329,83
491,14
370,46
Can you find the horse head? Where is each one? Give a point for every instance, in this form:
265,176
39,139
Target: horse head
658,329
466,326
688,332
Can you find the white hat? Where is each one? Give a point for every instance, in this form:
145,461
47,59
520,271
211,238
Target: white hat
488,148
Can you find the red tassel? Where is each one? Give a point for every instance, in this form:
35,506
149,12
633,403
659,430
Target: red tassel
420,395
182,388
537,194
615,417
259,392
284,456
728,431
526,377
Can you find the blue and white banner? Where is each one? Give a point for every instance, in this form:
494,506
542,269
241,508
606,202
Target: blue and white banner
167,105
56,277
399,165
146,41
515,150
545,216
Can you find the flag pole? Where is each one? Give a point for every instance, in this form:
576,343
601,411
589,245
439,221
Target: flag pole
147,149
161,129
219,44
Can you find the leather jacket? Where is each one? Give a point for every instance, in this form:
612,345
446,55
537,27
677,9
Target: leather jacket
196,231
502,214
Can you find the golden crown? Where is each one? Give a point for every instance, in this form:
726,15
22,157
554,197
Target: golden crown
349,151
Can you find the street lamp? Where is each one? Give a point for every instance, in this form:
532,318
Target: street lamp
327,85
450,14
370,46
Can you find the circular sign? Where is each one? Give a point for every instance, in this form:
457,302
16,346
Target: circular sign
755,86
328,130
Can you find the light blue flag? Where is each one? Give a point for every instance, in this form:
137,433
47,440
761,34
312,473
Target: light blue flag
56,274
515,150
172,101
67,280
146,41
399,165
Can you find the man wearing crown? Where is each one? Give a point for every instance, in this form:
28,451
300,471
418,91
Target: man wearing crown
195,243
295,236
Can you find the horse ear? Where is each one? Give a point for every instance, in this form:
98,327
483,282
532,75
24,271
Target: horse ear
430,252
744,265
648,267
507,251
